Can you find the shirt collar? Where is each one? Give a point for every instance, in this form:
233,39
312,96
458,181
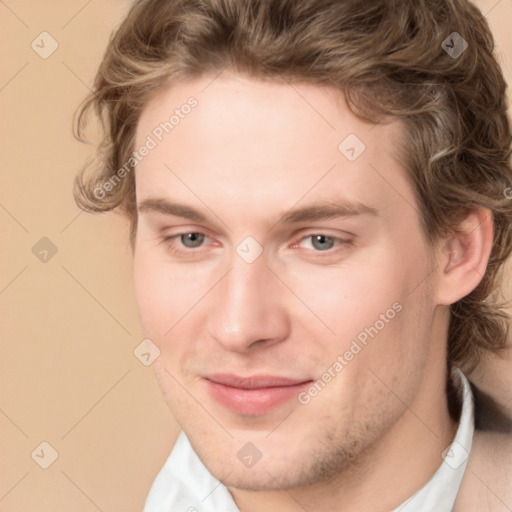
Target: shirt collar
185,484
439,493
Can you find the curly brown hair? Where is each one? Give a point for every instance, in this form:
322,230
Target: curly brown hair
429,63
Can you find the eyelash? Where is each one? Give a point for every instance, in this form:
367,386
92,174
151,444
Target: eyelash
340,244
185,250
331,255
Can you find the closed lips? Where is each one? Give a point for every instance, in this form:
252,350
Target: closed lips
254,395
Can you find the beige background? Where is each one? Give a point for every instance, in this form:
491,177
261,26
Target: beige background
69,325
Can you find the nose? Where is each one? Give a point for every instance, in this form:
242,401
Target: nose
249,308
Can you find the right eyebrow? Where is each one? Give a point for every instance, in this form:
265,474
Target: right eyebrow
326,210
158,205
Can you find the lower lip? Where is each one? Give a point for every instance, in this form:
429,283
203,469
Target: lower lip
253,402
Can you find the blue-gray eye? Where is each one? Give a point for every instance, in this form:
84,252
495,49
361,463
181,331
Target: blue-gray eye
322,242
192,240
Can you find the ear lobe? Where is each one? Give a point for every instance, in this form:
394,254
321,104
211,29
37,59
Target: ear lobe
465,256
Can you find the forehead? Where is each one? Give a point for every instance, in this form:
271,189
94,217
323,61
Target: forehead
249,143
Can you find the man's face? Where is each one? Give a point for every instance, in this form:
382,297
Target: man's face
283,276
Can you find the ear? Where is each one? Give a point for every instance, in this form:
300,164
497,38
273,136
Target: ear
464,256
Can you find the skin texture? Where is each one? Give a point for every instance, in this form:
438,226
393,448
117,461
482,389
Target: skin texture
247,155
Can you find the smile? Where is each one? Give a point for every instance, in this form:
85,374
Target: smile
255,395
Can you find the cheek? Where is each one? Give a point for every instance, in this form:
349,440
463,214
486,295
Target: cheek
167,293
153,293
352,296
366,303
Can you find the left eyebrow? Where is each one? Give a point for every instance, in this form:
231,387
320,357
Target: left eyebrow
165,207
324,211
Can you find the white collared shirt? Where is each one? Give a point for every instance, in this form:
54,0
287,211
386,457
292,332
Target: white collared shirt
185,485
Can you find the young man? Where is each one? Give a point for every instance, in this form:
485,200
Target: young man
318,208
